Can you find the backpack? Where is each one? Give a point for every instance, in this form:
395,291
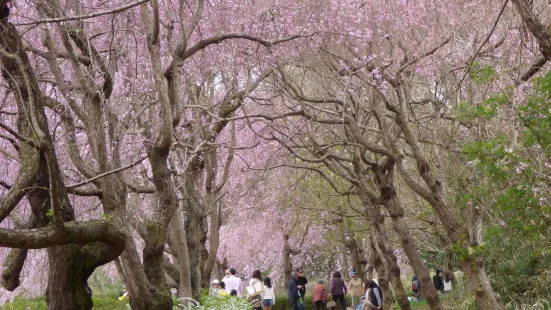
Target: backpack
414,286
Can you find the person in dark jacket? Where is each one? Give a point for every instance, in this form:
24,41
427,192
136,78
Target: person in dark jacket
416,287
301,284
338,289
437,281
293,293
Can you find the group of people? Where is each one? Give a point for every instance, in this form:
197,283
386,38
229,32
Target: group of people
365,296
259,293
442,285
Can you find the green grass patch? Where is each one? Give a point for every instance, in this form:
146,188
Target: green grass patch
100,303
422,304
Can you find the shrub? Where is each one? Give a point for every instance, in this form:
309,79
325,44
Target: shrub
218,303
282,302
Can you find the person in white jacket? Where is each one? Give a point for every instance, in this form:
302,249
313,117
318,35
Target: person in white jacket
234,283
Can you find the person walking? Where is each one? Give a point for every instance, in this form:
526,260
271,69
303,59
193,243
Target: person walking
301,284
233,283
437,281
318,295
268,295
338,289
293,292
255,297
355,288
447,283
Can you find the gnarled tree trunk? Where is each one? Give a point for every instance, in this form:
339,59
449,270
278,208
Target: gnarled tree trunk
382,272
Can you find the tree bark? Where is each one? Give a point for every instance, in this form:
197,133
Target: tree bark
194,231
178,242
391,201
382,272
214,241
356,257
385,251
287,265
12,268
534,25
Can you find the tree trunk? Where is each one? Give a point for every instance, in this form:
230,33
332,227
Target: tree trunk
178,242
386,253
287,267
370,258
433,192
356,260
474,267
214,241
156,228
136,281
133,274
67,279
13,265
153,265
385,181
344,255
194,231
382,274
393,272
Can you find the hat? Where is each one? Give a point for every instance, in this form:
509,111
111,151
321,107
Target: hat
215,281
353,272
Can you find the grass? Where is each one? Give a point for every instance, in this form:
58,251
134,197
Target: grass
415,305
100,303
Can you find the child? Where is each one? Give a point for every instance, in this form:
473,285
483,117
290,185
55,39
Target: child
222,291
268,295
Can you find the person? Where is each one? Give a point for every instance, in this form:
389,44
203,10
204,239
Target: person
416,287
375,294
318,295
447,283
338,289
301,284
227,274
355,287
215,287
233,283
268,295
233,293
255,298
124,295
364,301
222,291
437,281
293,293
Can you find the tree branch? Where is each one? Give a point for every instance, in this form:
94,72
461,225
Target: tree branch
105,174
68,232
86,16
